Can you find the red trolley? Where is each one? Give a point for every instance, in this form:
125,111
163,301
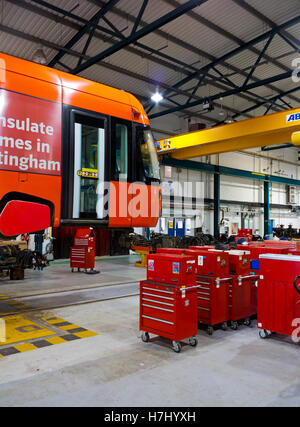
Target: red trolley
279,295
212,277
168,299
213,309
169,311
82,253
242,292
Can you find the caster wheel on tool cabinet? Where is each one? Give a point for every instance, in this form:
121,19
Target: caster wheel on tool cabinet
193,341
247,322
263,334
210,330
234,325
145,337
176,346
224,326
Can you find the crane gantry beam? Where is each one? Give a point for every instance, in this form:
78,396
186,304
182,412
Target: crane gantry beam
273,129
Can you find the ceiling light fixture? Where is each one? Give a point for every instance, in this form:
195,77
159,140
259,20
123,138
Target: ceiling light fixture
221,113
157,97
39,56
229,119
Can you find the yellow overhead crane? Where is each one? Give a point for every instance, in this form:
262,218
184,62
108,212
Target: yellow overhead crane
273,129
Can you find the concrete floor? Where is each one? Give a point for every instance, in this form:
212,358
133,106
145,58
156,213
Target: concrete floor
115,368
57,277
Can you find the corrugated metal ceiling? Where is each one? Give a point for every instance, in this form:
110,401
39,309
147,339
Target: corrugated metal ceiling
194,39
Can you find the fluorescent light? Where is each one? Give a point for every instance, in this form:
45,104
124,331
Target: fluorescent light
157,97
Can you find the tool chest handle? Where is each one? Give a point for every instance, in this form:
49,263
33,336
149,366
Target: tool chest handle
249,277
223,279
187,289
295,284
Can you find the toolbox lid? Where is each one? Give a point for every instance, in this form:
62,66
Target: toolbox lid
239,252
280,257
171,256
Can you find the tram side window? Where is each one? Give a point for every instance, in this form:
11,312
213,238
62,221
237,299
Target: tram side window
89,163
121,141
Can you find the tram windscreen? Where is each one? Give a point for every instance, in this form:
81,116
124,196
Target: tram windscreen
147,154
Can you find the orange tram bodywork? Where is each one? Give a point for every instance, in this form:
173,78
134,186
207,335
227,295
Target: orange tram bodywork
72,152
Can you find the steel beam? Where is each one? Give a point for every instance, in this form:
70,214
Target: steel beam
270,100
217,203
222,170
246,6
238,50
169,17
266,207
159,59
269,41
90,24
139,17
225,94
260,131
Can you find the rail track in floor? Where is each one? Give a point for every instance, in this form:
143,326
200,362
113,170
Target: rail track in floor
66,298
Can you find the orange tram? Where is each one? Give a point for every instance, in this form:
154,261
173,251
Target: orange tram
72,153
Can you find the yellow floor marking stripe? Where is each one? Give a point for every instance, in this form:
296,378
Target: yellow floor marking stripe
55,340
18,329
25,347
52,320
85,334
67,327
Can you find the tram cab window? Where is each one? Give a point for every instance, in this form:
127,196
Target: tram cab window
147,160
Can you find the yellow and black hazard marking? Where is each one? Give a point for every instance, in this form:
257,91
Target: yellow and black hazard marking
26,334
70,328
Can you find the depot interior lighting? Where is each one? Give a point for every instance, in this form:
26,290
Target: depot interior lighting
39,56
157,97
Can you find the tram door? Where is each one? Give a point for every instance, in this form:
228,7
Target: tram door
89,164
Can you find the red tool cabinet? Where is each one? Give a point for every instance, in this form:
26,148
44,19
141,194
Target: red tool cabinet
239,262
245,233
278,295
240,307
210,262
212,299
169,311
171,269
82,253
242,290
255,251
212,277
